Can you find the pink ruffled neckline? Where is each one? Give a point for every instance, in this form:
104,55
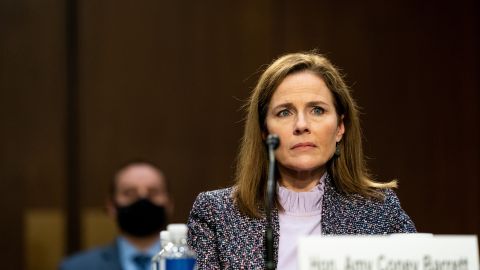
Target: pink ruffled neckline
302,202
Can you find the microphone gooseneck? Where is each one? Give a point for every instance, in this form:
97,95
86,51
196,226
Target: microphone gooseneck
272,141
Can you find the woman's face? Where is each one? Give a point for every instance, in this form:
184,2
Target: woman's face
302,113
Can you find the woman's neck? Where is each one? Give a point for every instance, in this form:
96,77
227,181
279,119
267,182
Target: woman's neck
299,181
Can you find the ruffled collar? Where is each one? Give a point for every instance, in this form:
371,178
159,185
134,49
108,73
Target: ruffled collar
302,202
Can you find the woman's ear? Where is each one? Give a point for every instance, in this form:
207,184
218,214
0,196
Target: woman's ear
264,135
340,129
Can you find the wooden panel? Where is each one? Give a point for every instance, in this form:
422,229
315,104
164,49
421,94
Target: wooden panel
98,228
32,81
164,81
44,238
412,66
165,84
31,96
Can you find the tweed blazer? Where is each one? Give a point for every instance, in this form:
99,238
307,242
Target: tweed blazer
224,238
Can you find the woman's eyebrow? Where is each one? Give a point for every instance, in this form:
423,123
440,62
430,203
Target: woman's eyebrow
289,105
317,102
286,105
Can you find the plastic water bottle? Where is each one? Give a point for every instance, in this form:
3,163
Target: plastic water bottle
179,256
165,245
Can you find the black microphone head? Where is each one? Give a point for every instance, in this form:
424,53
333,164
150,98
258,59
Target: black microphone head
273,141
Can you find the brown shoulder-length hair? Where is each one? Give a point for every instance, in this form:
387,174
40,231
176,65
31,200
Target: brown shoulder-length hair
348,169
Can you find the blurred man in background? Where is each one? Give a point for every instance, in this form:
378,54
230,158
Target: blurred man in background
139,202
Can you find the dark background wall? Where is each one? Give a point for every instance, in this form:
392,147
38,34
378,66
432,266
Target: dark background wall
165,81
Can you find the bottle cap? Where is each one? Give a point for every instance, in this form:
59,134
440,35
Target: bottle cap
164,236
177,230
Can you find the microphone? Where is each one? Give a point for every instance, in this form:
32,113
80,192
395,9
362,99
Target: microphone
273,141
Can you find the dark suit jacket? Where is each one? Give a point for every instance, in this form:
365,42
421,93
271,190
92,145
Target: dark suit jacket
224,238
102,258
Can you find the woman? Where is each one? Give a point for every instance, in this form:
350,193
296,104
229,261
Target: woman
323,183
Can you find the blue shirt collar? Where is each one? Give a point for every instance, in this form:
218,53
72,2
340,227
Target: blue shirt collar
127,251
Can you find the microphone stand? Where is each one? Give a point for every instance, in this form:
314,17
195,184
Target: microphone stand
272,142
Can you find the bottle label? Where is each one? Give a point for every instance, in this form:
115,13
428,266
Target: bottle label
180,264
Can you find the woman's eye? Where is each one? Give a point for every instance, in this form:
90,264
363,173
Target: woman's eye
283,113
318,110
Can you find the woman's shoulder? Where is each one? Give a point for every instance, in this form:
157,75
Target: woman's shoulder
214,198
384,196
390,197
366,215
209,205
216,195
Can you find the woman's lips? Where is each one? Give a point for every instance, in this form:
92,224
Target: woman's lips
303,145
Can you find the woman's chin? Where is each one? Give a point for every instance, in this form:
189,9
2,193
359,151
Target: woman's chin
305,168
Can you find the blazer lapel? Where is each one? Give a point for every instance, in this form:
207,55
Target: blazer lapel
111,258
331,208
276,235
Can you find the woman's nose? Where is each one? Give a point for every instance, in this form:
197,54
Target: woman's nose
301,125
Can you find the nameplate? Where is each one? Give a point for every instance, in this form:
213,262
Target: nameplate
391,252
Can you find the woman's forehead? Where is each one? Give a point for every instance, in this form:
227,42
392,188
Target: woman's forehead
302,86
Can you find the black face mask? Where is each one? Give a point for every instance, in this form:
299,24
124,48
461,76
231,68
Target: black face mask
141,218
